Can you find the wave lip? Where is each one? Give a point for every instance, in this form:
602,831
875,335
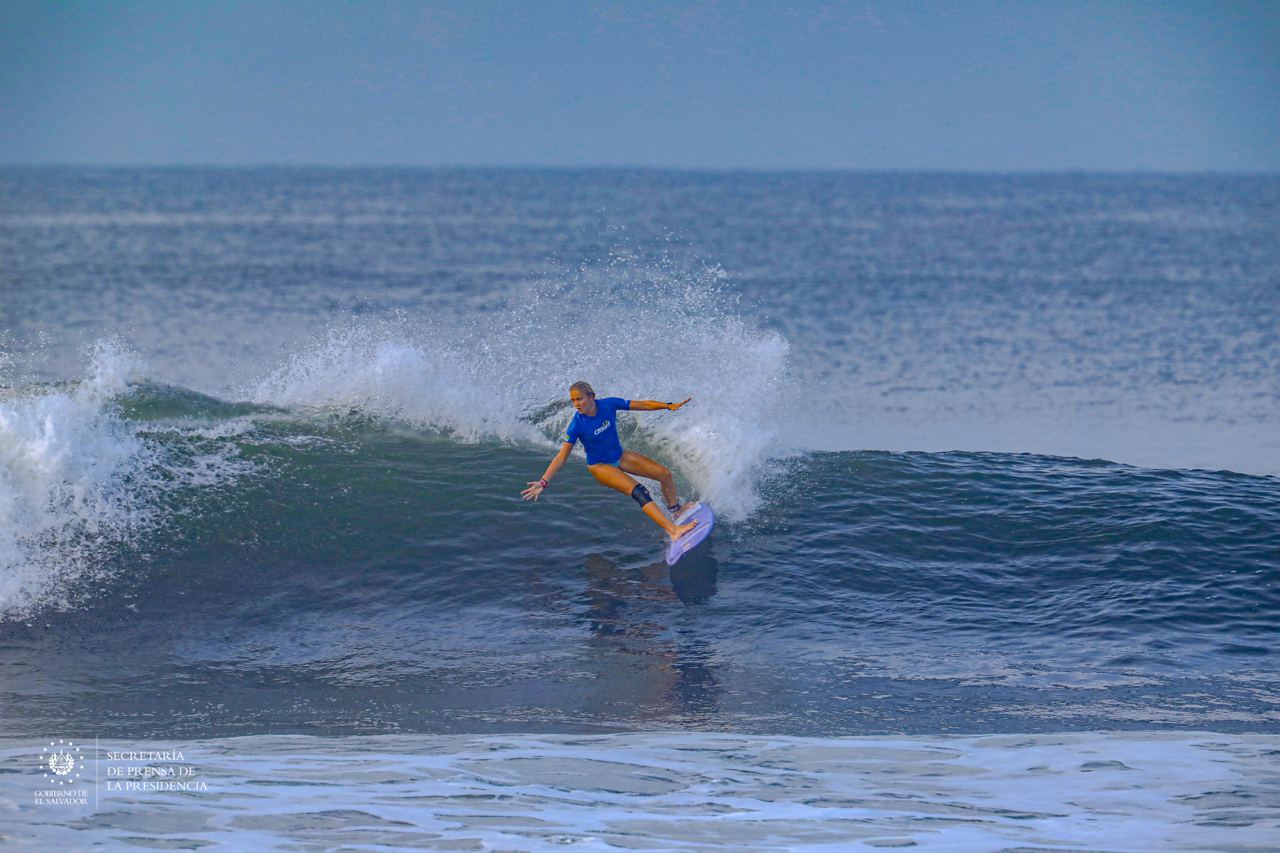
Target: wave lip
506,375
65,463
78,480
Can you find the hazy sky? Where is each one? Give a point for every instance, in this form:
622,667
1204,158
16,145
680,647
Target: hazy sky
868,85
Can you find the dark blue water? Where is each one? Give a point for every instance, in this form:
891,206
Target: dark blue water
989,453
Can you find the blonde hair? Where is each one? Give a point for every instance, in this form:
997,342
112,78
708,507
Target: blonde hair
584,387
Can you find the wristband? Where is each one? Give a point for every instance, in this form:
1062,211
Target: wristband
545,484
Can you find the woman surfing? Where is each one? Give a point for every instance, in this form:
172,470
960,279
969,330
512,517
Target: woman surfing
596,426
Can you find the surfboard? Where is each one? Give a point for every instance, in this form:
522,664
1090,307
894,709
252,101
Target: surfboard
706,519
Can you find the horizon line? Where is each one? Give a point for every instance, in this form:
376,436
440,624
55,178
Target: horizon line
609,167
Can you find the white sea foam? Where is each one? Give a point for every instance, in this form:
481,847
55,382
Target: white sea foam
634,331
76,478
63,461
1136,791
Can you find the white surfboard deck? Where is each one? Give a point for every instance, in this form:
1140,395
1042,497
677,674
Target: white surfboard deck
706,519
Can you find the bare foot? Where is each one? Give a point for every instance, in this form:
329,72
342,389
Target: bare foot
682,529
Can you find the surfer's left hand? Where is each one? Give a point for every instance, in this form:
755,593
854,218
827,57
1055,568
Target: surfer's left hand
673,406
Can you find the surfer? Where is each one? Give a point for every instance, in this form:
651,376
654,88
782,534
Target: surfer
596,425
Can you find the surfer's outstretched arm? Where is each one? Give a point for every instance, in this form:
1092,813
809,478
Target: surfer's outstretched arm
537,487
654,405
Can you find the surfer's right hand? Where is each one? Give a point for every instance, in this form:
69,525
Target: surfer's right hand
535,489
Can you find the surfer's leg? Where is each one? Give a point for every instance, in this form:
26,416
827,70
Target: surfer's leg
635,463
615,478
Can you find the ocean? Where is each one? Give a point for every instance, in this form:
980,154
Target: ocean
995,462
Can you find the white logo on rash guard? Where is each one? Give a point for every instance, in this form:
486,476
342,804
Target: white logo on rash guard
604,426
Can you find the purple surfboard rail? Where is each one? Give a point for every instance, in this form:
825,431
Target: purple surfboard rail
706,520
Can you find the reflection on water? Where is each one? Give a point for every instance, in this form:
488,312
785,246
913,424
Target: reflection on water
677,670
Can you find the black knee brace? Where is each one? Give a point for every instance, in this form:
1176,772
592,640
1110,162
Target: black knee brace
641,495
